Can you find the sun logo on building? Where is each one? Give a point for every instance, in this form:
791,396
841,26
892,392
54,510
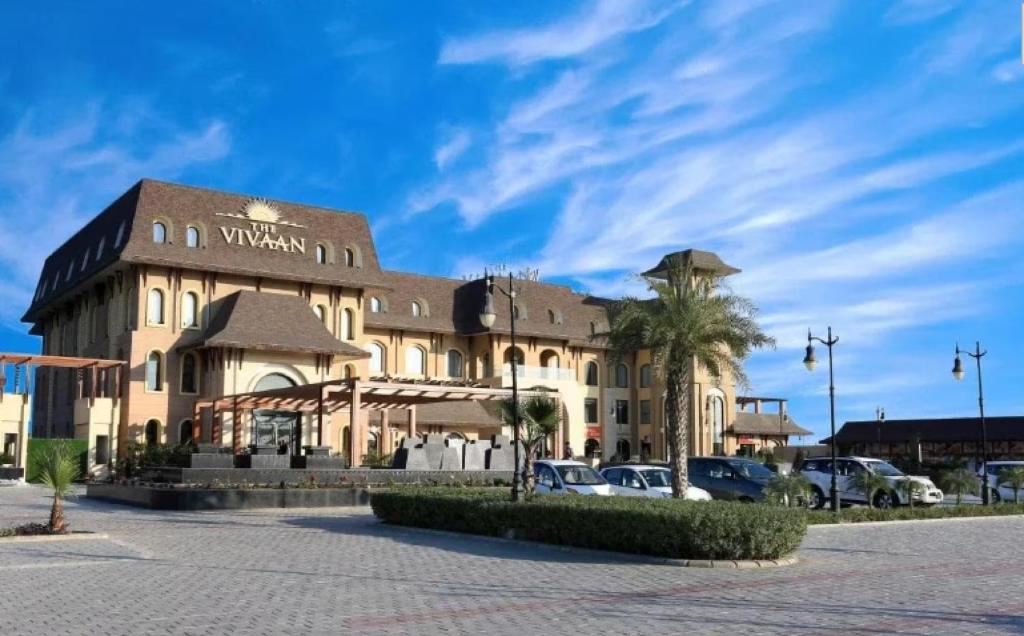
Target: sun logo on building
260,211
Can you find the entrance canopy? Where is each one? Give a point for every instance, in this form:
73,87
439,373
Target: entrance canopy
377,393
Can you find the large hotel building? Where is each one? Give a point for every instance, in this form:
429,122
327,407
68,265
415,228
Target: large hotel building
207,294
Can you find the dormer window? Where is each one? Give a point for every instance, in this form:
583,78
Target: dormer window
71,268
159,233
321,254
350,257
120,235
192,236
99,248
85,260
417,309
375,305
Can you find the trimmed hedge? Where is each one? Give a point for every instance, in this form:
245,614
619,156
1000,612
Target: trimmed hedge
669,528
860,515
38,446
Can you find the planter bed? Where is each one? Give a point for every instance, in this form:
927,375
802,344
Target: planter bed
167,497
864,515
669,528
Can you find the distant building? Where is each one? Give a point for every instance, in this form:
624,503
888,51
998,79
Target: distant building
755,430
943,439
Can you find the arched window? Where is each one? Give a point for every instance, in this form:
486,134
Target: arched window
189,373
152,432
189,310
155,307
154,371
621,376
593,329
185,432
375,305
321,313
645,376
590,371
520,359
349,372
321,253
348,326
716,409
191,236
415,361
377,357
592,448
549,364
350,257
454,364
120,234
551,316
417,309
99,248
85,260
159,232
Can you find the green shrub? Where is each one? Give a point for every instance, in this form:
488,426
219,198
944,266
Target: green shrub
857,515
672,528
39,447
138,457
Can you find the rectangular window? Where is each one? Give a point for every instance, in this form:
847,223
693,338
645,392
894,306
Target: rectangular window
102,450
645,411
622,411
590,411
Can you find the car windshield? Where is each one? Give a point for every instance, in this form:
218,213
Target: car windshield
884,469
580,476
657,477
750,469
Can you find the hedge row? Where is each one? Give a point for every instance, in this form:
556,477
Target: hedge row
38,447
860,515
669,528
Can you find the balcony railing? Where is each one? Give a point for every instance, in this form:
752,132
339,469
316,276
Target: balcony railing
524,372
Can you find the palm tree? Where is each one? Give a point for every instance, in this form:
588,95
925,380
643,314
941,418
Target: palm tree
59,470
960,482
691,322
869,483
1014,478
910,487
788,490
541,416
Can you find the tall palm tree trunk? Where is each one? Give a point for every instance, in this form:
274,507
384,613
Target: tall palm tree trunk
677,400
57,522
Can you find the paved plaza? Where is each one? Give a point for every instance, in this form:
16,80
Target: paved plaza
340,572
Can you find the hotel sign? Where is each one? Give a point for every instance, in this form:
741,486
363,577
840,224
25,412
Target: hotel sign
264,221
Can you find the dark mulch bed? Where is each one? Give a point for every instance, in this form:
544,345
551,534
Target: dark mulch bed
27,530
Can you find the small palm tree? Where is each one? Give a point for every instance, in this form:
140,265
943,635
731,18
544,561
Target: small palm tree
691,323
788,490
541,417
1014,478
59,470
960,482
910,487
869,483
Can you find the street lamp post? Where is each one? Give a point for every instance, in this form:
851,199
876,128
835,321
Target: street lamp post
958,374
487,318
810,362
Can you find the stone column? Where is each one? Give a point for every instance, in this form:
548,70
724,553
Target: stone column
387,445
355,426
412,422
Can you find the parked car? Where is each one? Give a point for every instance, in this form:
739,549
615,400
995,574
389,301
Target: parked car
732,478
818,470
568,477
644,480
999,492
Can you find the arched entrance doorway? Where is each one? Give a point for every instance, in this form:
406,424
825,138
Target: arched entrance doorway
622,449
272,427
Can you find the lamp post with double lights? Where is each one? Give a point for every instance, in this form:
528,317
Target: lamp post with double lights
810,362
958,374
487,318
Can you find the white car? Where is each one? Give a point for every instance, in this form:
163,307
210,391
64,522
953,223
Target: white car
818,470
568,477
647,481
999,492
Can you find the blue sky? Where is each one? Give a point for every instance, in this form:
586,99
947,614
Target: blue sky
860,161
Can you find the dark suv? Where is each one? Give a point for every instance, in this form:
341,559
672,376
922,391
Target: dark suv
730,478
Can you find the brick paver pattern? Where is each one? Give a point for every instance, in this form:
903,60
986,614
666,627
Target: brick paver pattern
340,572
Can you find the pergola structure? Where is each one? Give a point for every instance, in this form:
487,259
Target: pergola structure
357,395
99,371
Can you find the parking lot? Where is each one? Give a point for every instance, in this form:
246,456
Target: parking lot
274,572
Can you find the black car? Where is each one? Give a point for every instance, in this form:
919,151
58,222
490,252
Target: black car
730,478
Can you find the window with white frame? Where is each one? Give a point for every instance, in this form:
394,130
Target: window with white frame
377,364
189,310
348,326
154,371
454,363
155,307
192,236
415,361
159,232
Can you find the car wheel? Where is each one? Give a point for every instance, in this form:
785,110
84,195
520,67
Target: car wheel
817,499
884,500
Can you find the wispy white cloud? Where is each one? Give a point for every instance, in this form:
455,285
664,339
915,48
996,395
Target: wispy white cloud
914,11
597,24
453,147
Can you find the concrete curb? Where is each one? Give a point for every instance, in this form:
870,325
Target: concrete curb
47,538
903,522
623,556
